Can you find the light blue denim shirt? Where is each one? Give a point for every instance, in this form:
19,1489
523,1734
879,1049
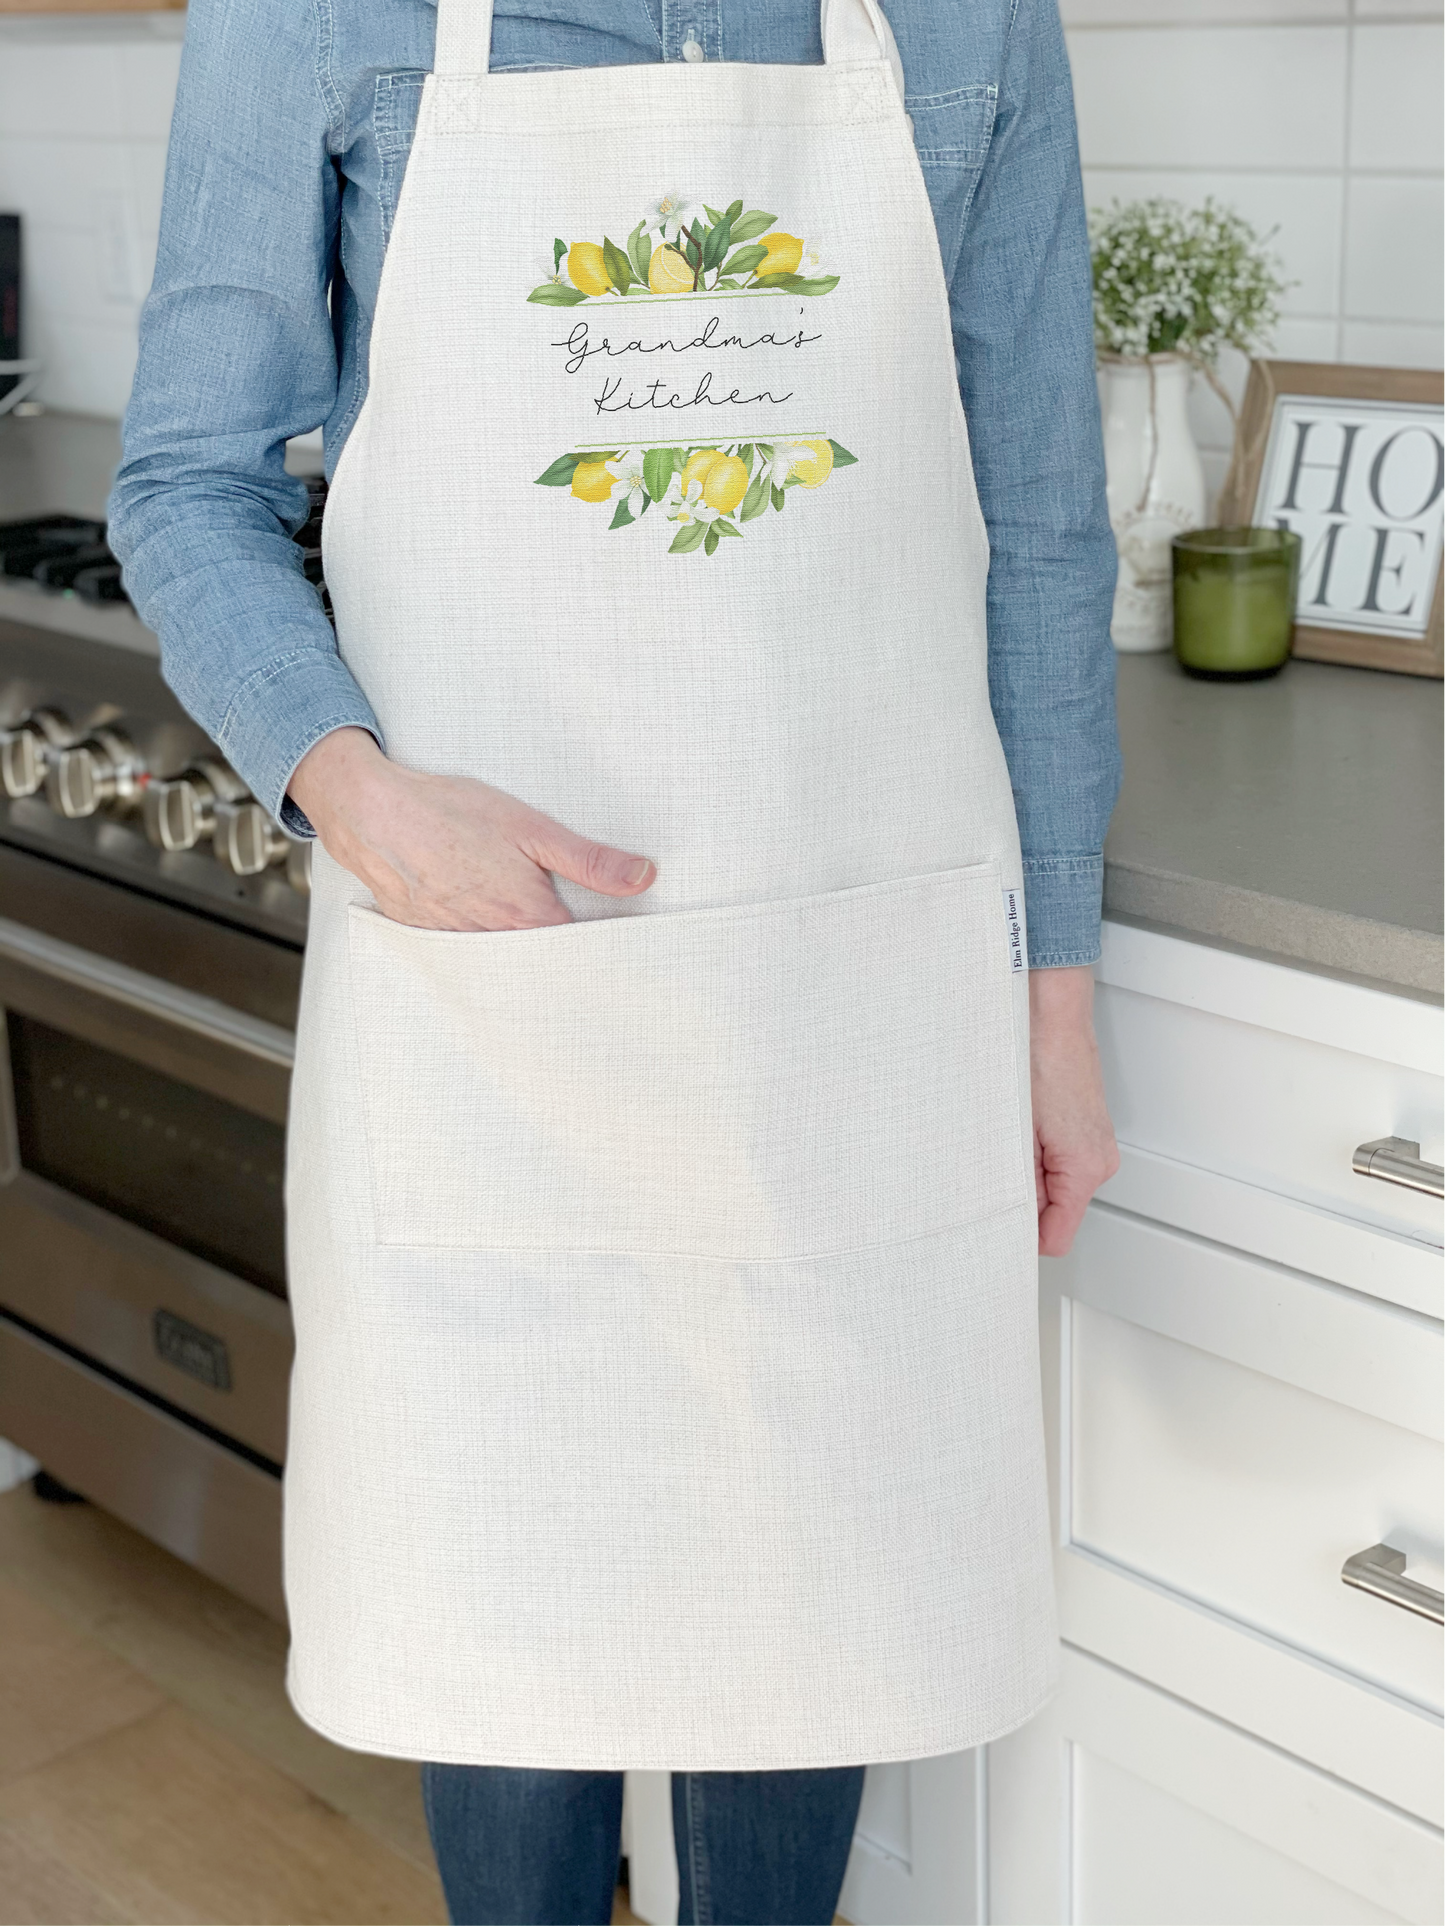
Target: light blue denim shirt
292,127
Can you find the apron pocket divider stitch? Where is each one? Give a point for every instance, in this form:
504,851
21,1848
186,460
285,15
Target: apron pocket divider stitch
767,1082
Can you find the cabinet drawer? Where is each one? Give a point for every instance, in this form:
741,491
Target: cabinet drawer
1269,1075
1233,1432
1121,1806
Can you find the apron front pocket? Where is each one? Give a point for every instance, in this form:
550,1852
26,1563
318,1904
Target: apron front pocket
771,1081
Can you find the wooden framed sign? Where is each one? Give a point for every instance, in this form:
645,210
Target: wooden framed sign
1353,460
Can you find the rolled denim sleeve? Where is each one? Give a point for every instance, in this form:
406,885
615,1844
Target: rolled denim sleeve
237,353
1021,300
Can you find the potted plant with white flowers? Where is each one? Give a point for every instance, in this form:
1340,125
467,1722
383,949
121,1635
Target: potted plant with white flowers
1173,287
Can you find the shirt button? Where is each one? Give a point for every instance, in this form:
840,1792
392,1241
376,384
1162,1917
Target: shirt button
692,51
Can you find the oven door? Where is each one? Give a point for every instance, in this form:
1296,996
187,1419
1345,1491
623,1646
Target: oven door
141,1228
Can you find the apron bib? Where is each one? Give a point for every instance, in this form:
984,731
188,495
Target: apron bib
667,1382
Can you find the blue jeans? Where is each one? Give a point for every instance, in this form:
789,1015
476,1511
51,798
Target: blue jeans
528,1848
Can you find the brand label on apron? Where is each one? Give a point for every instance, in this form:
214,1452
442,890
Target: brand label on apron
1013,912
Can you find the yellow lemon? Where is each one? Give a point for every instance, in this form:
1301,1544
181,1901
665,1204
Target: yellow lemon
784,253
591,481
812,474
668,272
725,484
698,465
586,269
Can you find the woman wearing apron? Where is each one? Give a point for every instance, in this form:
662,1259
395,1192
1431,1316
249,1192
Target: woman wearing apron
663,1196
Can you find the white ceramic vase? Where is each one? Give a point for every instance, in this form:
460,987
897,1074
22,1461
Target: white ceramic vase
1156,490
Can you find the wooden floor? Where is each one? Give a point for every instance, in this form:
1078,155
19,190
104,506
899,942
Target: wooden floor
151,1767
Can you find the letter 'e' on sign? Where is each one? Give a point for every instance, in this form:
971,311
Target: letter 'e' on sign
1353,461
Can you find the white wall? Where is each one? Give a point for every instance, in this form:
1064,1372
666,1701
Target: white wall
85,110
1320,117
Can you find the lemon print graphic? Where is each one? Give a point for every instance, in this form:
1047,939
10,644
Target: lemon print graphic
586,268
784,253
697,466
812,474
592,481
668,272
725,483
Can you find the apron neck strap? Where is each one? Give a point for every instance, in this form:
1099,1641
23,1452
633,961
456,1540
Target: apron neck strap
853,30
464,37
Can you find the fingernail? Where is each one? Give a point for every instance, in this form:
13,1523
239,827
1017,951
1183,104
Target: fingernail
636,871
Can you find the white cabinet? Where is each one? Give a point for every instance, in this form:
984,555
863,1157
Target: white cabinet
1122,1805
1242,1386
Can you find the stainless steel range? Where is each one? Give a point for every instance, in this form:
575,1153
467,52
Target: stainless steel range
152,922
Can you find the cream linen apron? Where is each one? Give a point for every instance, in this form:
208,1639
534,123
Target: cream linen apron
667,1386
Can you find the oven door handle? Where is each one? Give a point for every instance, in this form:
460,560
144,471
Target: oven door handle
203,1016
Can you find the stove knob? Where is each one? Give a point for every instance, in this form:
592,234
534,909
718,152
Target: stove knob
247,838
103,772
298,866
180,812
25,750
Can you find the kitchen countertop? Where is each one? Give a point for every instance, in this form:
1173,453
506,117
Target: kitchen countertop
1298,818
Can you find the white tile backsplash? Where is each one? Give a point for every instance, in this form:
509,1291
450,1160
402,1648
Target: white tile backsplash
1319,117
1391,344
1197,13
1305,208
1394,257
1218,97
1395,118
85,107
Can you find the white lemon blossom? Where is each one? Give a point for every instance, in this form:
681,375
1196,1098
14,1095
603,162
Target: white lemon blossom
555,273
670,213
813,264
628,480
786,455
688,507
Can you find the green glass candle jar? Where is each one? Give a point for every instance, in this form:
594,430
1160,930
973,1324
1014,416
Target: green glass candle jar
1234,601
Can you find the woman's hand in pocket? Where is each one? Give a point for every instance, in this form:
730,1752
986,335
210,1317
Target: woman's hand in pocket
446,852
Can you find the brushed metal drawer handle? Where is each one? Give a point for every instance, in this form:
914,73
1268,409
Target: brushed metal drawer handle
1381,1572
1397,1160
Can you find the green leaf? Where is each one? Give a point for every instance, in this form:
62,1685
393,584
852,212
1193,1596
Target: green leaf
719,240
551,295
619,268
722,526
712,214
752,225
800,284
658,467
623,516
841,457
559,248
722,282
639,250
756,499
688,538
710,540
734,211
745,456
766,450
745,260
778,499
559,475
